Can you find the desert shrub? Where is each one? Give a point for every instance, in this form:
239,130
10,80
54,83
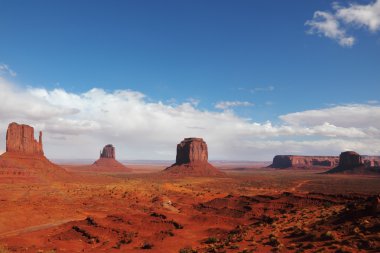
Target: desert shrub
327,236
273,241
211,240
147,245
177,225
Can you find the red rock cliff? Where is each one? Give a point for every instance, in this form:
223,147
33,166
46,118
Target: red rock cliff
287,161
20,139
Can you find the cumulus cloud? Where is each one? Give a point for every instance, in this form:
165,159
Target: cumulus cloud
361,15
228,104
326,24
78,125
334,25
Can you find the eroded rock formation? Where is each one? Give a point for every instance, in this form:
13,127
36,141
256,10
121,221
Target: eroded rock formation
108,152
20,139
24,156
350,159
288,161
191,150
192,159
107,162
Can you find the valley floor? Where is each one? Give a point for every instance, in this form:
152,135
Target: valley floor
249,210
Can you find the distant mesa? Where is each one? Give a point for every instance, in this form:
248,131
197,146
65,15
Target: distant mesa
107,162
24,156
292,161
351,162
192,160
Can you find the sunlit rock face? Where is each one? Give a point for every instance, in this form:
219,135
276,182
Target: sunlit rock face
20,139
192,150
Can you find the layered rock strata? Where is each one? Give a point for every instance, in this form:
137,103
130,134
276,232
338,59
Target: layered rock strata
288,161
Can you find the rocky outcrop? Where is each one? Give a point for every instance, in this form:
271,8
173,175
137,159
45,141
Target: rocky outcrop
192,160
20,139
191,150
107,162
291,161
24,156
371,161
108,152
350,159
353,163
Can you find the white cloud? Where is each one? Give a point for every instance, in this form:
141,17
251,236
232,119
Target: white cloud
326,24
361,15
354,16
228,104
352,115
4,69
79,125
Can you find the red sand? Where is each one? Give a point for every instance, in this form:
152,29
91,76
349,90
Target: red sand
251,210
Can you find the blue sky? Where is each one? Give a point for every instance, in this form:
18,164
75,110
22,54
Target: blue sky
255,59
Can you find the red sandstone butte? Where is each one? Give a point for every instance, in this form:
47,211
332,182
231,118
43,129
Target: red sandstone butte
20,139
24,156
192,159
107,161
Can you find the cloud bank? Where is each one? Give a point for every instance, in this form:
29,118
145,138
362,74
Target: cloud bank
334,25
79,125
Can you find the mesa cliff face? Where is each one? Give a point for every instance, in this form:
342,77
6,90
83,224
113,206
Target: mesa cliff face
288,161
192,160
191,150
108,152
20,139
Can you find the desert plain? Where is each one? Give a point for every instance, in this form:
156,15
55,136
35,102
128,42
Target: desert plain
250,209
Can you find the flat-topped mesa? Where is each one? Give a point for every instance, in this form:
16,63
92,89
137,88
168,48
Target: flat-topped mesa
108,152
192,160
20,140
288,161
192,150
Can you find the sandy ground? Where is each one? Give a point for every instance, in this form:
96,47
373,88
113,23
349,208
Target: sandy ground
251,209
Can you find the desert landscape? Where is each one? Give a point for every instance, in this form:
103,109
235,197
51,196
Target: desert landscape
190,206
189,126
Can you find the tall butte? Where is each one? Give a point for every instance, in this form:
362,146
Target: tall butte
192,160
107,161
24,155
